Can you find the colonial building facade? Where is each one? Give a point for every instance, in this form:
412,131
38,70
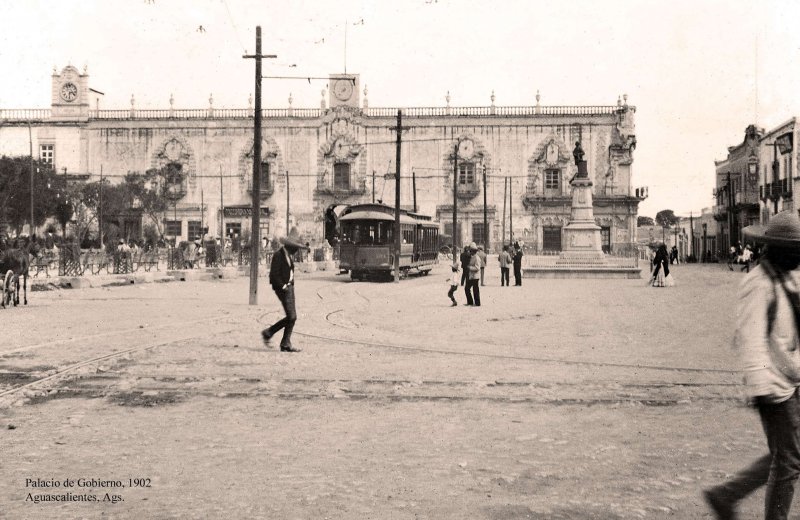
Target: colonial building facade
315,159
755,181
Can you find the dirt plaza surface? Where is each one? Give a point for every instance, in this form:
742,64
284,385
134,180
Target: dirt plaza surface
555,400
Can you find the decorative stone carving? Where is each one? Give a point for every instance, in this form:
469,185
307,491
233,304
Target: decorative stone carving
271,154
175,149
551,152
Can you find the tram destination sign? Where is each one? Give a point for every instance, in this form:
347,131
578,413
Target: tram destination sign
242,211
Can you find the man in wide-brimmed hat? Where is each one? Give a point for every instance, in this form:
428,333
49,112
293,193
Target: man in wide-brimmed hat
472,289
281,278
768,345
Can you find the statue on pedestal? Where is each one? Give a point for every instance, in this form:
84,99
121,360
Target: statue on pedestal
577,153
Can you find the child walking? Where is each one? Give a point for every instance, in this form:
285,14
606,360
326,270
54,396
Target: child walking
454,281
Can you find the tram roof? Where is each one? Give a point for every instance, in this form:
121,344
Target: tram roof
376,215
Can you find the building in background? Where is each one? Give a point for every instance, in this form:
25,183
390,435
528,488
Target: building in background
317,159
777,170
737,189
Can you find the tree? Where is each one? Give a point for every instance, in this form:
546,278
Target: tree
666,218
645,221
15,192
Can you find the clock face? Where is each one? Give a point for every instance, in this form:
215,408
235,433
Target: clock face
69,92
343,89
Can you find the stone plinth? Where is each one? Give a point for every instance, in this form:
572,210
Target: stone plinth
582,251
581,237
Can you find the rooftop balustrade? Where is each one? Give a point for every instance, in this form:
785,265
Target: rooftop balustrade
44,114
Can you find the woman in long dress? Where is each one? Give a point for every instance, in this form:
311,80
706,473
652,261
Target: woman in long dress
660,267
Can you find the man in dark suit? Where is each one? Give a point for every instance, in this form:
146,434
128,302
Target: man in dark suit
281,278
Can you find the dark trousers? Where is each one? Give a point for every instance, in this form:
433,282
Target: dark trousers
517,274
287,323
464,274
778,470
475,286
451,292
504,276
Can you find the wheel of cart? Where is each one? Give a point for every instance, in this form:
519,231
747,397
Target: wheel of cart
8,288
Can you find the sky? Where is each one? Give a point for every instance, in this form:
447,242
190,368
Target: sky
698,72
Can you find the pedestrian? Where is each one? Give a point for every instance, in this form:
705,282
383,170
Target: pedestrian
281,278
673,255
454,279
465,258
660,267
482,255
731,257
472,288
517,264
505,260
747,257
767,343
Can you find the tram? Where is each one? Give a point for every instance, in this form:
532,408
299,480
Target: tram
367,242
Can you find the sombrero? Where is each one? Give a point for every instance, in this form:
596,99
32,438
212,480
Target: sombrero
293,241
783,230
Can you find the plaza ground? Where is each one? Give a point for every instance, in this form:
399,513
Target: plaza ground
559,399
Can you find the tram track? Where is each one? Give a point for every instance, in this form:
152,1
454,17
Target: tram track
67,370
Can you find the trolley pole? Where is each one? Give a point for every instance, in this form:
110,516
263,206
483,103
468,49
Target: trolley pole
255,230
414,188
397,237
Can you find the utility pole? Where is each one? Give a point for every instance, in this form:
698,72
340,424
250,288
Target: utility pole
730,212
100,210
456,248
202,214
30,143
691,233
397,237
373,186
221,210
485,228
255,231
505,198
287,202
510,212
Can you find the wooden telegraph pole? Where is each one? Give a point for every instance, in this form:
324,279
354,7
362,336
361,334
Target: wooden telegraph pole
485,225
255,230
397,237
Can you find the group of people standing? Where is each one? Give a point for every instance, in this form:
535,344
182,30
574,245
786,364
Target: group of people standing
469,271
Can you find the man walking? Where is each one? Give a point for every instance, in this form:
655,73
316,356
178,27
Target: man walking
505,261
767,341
465,257
482,255
281,278
472,288
517,264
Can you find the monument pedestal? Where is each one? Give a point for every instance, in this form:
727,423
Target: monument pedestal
581,249
581,237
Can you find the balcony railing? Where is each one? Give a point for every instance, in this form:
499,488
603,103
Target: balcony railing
39,114
773,190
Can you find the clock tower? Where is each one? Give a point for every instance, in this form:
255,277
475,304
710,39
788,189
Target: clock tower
70,95
343,90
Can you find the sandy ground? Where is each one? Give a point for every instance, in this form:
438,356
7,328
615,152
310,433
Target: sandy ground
558,399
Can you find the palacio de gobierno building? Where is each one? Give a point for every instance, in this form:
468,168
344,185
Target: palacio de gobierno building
316,160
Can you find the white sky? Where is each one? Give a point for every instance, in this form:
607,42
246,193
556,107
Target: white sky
690,67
